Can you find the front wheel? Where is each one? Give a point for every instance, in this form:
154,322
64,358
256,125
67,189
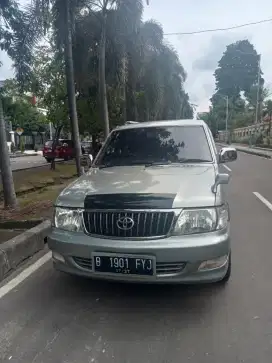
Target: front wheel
48,160
227,276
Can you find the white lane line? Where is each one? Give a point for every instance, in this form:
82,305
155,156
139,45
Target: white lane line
225,166
262,199
24,274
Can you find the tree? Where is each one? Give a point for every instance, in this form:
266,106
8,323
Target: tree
150,86
62,13
127,15
268,109
236,78
49,84
17,41
19,109
267,113
237,69
153,80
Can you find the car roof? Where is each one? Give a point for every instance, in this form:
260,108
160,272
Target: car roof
164,123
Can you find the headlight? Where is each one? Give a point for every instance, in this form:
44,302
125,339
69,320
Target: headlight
204,220
68,219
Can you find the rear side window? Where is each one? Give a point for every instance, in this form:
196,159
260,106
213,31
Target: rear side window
68,142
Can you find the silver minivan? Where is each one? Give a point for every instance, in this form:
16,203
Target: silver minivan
151,208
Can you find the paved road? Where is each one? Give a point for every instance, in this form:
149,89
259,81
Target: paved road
52,318
27,162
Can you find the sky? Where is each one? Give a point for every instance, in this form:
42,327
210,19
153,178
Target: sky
200,53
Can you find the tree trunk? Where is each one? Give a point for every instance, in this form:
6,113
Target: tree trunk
54,145
10,200
132,112
147,112
69,70
102,78
134,102
123,90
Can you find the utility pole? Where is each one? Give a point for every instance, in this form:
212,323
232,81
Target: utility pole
10,200
227,117
258,89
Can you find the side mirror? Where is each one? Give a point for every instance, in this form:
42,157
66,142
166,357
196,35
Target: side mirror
220,179
227,154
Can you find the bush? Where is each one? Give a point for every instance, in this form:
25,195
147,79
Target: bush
244,140
264,146
259,140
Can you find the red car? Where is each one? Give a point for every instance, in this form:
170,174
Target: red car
64,150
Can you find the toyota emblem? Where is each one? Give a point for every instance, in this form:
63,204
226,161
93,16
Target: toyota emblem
125,223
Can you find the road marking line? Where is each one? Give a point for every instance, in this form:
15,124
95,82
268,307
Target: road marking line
262,199
225,166
24,274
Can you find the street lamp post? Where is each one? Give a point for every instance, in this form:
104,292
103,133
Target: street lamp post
258,89
227,117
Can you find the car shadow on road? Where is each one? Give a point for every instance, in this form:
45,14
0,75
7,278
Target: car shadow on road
145,302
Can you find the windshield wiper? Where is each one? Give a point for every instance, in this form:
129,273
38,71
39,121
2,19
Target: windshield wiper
181,161
110,165
154,163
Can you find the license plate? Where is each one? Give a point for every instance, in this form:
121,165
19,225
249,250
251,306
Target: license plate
124,264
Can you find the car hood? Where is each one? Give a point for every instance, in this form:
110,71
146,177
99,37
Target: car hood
190,185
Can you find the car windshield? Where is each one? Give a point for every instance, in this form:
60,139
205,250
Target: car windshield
48,143
156,145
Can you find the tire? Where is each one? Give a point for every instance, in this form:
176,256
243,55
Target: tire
66,158
48,160
227,276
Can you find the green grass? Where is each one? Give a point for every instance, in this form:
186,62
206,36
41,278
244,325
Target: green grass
28,180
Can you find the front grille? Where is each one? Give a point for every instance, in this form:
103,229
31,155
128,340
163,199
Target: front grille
162,268
85,263
169,268
146,224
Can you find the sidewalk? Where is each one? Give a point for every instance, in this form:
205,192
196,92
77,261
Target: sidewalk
250,150
24,154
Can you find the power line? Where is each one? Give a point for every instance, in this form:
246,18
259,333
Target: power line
221,29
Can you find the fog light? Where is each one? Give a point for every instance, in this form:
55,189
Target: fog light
213,264
57,257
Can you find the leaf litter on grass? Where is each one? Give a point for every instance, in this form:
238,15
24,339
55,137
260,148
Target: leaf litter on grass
27,181
36,205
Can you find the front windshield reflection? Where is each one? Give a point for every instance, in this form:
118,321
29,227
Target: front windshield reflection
144,145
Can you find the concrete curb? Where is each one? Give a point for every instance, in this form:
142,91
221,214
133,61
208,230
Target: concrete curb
14,156
38,166
254,152
250,151
19,248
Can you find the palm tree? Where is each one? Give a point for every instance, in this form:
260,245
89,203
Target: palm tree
128,19
64,13
153,76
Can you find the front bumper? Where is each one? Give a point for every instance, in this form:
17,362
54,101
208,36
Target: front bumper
177,258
